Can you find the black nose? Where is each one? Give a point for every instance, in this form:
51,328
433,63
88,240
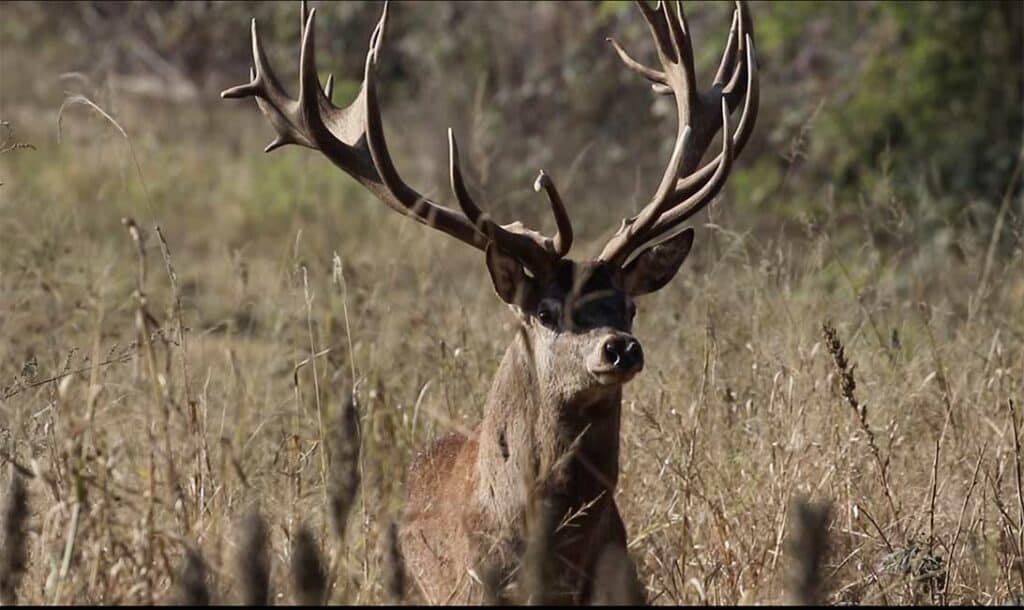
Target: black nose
624,353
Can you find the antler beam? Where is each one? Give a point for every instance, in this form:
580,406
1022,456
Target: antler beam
684,190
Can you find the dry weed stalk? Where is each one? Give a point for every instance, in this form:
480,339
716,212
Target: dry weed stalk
342,482
1019,478
13,552
322,437
940,369
394,568
848,384
309,581
8,143
536,562
253,563
146,327
808,547
490,581
343,473
193,589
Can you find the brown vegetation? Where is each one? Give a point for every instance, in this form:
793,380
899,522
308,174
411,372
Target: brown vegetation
162,389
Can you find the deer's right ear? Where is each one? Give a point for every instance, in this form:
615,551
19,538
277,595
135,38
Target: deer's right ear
508,275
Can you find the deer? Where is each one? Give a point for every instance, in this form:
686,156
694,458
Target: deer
549,439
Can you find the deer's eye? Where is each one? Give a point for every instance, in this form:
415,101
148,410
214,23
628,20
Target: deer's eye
548,314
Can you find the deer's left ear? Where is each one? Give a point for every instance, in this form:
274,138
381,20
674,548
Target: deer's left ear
656,265
509,278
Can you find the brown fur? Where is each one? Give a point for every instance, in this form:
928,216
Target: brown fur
468,496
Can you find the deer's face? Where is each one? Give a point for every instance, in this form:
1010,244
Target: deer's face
579,324
578,317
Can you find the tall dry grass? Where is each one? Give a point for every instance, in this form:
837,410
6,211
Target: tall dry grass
218,399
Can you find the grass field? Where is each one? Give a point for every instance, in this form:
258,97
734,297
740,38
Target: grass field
144,427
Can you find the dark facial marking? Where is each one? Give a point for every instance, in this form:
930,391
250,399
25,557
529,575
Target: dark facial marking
583,296
503,445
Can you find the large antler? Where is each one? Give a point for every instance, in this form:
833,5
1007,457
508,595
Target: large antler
700,114
353,139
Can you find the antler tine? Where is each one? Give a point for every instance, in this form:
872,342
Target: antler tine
530,247
744,39
329,87
655,76
563,238
270,97
690,184
729,56
679,33
657,27
634,231
309,82
751,94
374,123
675,50
708,190
677,199
466,202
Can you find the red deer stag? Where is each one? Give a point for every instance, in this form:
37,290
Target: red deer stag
550,431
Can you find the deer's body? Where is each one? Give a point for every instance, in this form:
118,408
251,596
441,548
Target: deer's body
467,499
537,477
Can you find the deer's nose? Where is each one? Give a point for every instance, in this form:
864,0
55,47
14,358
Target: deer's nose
623,353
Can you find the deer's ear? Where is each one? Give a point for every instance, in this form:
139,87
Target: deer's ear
510,279
656,265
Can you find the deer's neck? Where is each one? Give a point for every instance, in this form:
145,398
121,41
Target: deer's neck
528,432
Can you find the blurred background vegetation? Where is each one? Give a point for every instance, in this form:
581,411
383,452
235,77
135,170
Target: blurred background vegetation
918,102
881,189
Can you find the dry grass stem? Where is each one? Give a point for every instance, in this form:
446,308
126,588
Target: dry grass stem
193,588
253,561
14,544
343,472
536,562
394,567
808,548
309,581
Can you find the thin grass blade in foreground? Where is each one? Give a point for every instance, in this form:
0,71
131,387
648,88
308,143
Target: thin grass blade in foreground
253,561
193,589
13,552
309,581
394,567
343,478
808,547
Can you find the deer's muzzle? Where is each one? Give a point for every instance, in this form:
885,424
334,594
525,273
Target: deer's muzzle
618,359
